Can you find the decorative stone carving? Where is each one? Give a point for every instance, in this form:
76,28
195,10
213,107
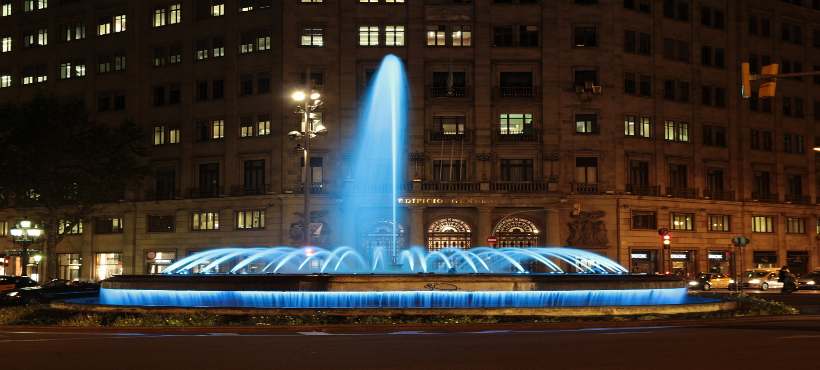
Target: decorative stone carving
586,229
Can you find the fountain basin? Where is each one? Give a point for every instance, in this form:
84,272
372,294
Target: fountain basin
421,291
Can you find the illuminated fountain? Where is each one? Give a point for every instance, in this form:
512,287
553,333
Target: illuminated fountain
387,275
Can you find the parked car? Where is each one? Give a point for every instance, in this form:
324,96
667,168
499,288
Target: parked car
52,290
809,281
760,279
707,281
15,282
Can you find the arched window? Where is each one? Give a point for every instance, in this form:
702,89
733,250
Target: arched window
516,232
449,233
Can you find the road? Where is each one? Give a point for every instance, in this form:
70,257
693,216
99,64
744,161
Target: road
777,343
807,301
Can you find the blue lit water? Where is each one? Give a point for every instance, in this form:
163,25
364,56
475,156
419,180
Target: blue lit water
391,299
311,260
377,168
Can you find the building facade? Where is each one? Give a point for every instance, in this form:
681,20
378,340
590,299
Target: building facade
573,122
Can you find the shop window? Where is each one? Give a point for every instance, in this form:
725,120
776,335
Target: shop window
157,261
764,259
68,266
107,265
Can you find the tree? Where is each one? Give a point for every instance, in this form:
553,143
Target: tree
57,167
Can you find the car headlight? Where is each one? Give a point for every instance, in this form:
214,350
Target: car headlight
810,282
754,281
693,283
731,281
13,294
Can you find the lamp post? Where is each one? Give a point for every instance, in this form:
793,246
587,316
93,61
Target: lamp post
24,234
307,103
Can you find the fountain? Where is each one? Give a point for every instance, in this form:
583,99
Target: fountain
390,276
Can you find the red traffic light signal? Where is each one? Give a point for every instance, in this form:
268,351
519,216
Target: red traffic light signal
667,239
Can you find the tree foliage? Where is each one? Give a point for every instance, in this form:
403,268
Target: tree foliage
55,164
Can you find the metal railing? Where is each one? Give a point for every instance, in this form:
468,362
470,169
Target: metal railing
454,187
447,92
765,197
650,190
682,192
719,194
517,91
584,188
520,186
525,136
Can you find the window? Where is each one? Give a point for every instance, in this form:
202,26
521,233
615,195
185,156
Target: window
683,221
5,80
218,47
450,170
502,36
263,125
217,10
201,50
586,124
516,170
713,18
515,123
368,36
586,170
159,17
762,224
31,5
71,70
217,127
161,224
585,36
714,136
437,35
164,135
676,131
73,32
676,50
205,220
462,35
108,225
449,125
70,227
528,36
251,219
714,183
394,35
795,225
642,220
791,33
713,57
676,9
793,143
218,89
6,8
107,265
643,6
313,37
36,38
638,126
719,223
761,140
5,44
175,54
676,90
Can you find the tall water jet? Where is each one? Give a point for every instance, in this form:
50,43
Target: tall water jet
377,166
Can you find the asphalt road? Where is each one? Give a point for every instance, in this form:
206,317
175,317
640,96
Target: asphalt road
807,301
776,343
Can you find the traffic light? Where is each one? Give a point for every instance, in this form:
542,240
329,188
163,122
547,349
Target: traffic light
767,88
746,82
666,238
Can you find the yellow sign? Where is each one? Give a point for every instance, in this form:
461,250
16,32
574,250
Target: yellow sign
443,201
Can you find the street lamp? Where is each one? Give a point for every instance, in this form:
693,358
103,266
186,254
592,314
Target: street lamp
307,103
25,233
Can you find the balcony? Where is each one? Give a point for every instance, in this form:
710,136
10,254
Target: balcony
765,197
719,194
448,136
450,187
209,192
649,190
519,187
798,199
447,92
584,188
528,135
677,192
517,91
240,190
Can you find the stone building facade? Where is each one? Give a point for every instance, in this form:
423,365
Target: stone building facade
584,123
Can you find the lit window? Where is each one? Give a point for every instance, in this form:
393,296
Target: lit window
175,55
6,9
205,221
586,123
251,219
795,225
262,43
515,123
31,5
159,135
683,221
107,265
217,10
394,35
108,225
676,131
175,15
719,223
66,227
217,129
218,47
104,28
173,136
119,62
37,38
368,35
5,80
6,44
74,32
436,35
638,126
159,17
119,23
263,126
462,35
762,224
313,37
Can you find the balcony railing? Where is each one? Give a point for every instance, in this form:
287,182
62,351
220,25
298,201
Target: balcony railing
584,188
447,92
765,197
210,192
650,190
450,187
239,190
519,187
719,194
447,136
517,91
682,192
798,199
528,135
